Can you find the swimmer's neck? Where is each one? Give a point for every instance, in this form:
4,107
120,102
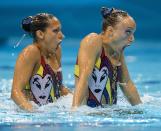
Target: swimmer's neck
42,49
112,53
111,48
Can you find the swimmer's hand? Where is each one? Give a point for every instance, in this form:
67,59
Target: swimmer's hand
27,107
33,108
65,91
74,108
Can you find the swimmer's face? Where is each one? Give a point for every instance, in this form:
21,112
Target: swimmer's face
53,35
124,32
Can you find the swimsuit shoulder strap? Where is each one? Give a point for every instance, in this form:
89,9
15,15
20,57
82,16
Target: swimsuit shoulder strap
103,53
43,63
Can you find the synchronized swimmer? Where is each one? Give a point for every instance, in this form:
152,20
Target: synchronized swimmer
38,75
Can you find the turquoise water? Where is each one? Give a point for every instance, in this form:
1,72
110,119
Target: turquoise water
144,63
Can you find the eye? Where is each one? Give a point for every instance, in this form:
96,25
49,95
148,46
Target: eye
37,83
94,77
48,82
102,78
56,30
128,32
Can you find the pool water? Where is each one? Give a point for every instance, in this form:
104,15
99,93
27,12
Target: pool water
144,63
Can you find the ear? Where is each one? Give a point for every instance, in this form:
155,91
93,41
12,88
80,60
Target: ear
40,34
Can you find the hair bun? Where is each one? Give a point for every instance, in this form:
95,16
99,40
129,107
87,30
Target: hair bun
26,23
106,11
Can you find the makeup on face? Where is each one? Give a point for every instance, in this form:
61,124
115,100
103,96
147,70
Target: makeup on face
56,30
130,30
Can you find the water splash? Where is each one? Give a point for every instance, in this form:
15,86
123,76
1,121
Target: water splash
60,111
19,42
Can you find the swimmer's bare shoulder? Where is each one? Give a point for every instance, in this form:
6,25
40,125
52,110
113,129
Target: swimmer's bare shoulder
30,54
92,44
25,64
90,48
92,39
89,51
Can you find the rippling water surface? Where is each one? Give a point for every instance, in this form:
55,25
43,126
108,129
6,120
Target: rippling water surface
144,66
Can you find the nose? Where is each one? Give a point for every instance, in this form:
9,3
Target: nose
131,38
60,35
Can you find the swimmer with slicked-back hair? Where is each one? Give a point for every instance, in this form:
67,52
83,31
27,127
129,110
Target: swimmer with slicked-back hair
100,65
38,74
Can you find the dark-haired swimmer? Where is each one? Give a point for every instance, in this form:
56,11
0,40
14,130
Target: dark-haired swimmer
38,75
100,65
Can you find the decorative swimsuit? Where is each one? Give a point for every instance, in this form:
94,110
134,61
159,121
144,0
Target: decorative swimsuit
102,83
44,86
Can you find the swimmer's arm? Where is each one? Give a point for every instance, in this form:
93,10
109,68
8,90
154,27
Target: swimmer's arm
23,71
127,86
88,52
63,89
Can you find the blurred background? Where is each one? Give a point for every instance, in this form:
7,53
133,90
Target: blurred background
81,16
78,18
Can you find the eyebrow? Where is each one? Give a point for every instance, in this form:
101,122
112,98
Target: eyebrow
131,28
57,28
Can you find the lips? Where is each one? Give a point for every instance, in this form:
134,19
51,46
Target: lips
42,97
58,44
97,90
125,46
